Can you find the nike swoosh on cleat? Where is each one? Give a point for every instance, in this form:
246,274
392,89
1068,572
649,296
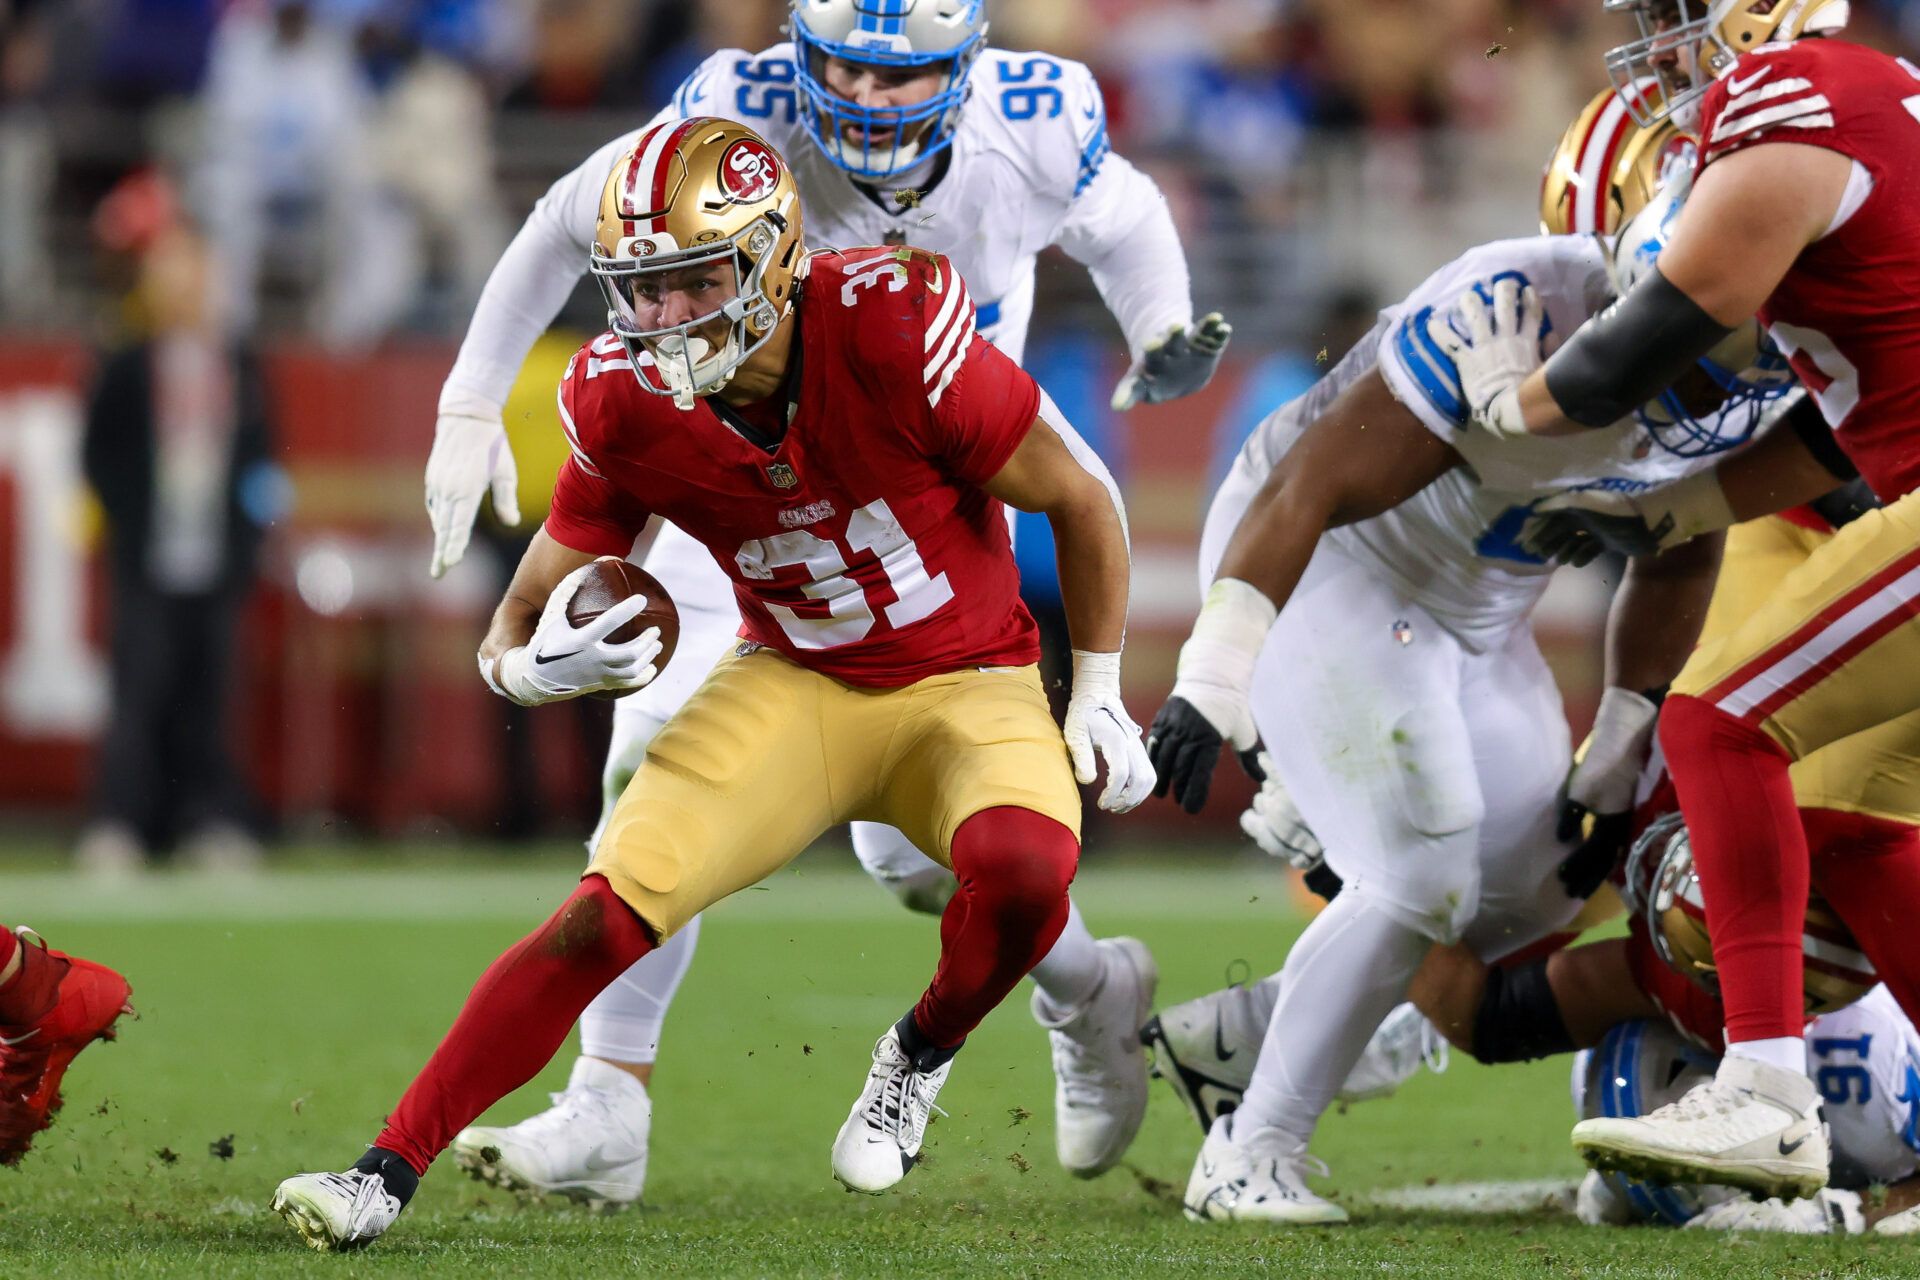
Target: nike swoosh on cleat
1788,1148
1219,1041
541,659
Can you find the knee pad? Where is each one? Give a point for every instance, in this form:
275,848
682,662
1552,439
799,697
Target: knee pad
1433,887
1518,1018
1024,856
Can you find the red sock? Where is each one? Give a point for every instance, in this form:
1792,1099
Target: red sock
516,1019
1868,870
1752,858
1014,866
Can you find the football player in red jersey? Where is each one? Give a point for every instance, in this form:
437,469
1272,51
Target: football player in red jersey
52,1005
1805,210
842,441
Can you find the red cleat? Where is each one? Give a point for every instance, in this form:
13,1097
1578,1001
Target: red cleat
34,1057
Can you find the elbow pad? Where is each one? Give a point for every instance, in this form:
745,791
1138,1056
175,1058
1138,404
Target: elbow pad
1518,1018
1631,352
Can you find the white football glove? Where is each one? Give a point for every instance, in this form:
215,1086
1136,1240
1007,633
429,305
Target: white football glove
1493,348
1097,722
563,661
470,456
1177,363
1276,825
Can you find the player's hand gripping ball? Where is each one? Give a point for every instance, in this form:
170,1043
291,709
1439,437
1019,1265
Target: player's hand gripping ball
610,580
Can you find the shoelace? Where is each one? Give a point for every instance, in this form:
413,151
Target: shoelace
365,1192
1079,1081
900,1095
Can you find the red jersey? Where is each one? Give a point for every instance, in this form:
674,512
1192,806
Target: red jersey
1847,314
862,545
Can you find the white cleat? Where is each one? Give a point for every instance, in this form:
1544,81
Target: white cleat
590,1146
1206,1048
1827,1212
1258,1177
1099,1067
881,1139
1752,1126
1404,1040
337,1212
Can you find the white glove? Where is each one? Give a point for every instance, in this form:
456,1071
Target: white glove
1605,775
470,454
1097,721
1493,348
1276,825
563,661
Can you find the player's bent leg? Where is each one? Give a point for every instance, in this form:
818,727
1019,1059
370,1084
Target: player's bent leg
513,1022
52,1005
1013,867
592,1144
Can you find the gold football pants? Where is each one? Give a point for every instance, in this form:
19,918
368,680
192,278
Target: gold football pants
767,755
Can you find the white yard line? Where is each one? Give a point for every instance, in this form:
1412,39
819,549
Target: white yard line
1477,1197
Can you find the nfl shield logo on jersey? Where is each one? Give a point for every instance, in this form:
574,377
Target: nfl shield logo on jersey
782,475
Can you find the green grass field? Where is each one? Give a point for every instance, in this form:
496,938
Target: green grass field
289,1012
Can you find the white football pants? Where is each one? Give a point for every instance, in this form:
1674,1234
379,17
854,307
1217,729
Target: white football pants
623,1022
1430,772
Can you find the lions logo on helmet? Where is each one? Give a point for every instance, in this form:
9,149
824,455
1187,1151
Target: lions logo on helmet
707,203
1663,888
941,37
1685,44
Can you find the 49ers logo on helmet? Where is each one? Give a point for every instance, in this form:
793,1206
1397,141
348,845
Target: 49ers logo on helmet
749,171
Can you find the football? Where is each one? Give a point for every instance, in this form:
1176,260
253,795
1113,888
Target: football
612,580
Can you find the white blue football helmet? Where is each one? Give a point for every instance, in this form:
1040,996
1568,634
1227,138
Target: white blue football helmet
1746,365
943,35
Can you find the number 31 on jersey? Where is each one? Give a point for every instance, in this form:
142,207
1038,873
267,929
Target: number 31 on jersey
850,613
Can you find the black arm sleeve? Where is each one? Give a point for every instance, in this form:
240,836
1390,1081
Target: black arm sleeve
1806,421
1518,1018
1630,352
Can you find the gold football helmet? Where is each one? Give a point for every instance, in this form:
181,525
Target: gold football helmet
1663,888
1607,168
1687,44
697,252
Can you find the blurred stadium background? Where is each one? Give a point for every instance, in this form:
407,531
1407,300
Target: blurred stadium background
360,164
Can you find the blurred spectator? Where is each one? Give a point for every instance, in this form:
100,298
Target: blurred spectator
176,448
289,180
26,154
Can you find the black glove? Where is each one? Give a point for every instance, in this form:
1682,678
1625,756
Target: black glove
1565,533
1184,746
1584,870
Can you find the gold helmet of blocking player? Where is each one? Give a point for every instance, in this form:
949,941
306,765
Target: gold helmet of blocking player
697,252
1607,168
1686,44
1663,888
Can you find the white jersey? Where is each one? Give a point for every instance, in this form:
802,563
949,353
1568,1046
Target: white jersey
1029,168
1453,547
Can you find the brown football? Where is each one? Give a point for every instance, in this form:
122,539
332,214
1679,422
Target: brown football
612,580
